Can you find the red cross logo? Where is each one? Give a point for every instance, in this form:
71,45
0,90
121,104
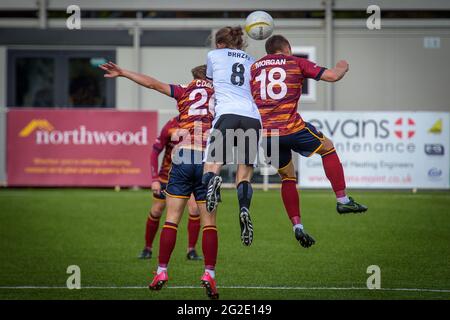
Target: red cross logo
404,129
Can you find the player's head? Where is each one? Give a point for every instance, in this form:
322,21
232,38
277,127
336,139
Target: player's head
230,37
278,44
199,72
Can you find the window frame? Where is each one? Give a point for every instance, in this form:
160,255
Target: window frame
61,74
310,52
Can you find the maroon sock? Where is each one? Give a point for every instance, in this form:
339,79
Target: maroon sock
151,230
291,199
167,243
210,246
193,231
334,172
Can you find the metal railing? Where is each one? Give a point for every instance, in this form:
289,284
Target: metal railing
229,5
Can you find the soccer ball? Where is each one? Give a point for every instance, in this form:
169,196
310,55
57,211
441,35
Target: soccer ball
259,25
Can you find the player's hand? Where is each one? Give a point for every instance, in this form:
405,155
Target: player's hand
156,187
342,64
112,70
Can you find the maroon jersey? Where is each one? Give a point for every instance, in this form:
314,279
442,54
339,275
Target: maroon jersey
195,104
163,142
276,84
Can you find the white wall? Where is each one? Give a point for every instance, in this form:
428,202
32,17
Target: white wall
125,89
391,70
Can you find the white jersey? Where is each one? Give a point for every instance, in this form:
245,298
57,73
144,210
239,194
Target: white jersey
229,69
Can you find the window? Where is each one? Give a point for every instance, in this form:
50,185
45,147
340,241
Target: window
34,82
54,78
86,82
309,85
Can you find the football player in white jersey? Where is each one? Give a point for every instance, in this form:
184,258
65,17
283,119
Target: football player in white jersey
237,123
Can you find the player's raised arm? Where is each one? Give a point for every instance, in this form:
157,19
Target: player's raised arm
113,71
336,73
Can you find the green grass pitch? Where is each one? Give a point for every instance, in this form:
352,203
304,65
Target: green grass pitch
43,231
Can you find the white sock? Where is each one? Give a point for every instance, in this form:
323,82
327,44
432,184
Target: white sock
298,226
212,273
161,269
343,200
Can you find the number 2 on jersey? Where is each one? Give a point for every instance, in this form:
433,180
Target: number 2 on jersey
194,109
268,90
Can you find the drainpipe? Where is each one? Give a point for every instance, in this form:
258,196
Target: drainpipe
329,51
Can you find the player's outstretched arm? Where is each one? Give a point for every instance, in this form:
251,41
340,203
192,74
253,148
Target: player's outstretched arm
113,71
336,73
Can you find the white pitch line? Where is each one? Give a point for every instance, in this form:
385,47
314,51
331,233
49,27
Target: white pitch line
232,287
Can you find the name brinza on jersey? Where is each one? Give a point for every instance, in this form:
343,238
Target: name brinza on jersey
241,55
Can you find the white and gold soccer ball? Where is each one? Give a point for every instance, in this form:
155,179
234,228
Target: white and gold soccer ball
259,25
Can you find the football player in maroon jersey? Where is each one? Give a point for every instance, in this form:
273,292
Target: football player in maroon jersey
159,183
195,105
276,83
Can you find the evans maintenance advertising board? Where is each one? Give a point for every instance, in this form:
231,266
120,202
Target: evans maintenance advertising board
383,149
